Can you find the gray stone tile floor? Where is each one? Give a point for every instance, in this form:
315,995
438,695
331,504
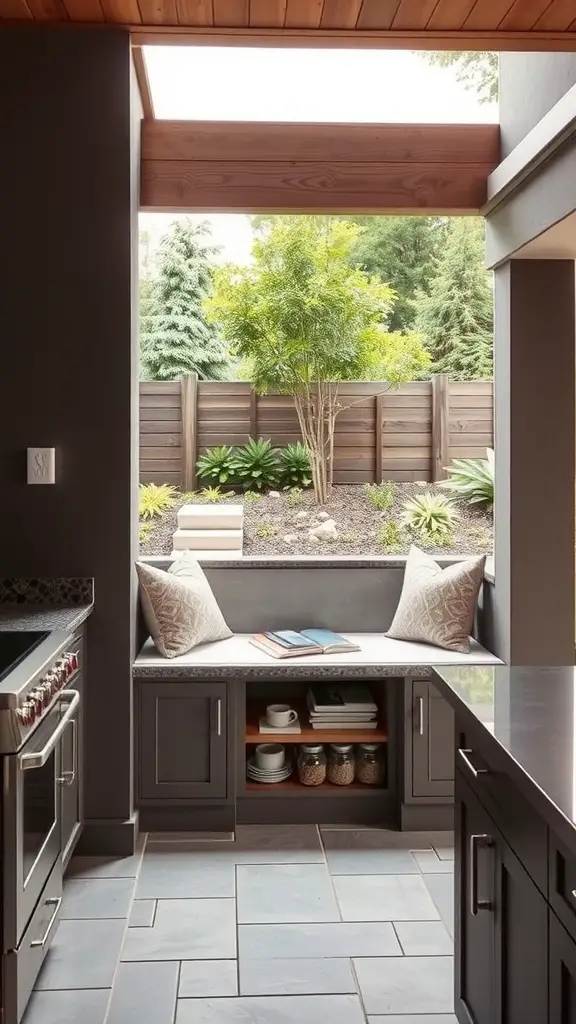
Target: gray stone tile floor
281,925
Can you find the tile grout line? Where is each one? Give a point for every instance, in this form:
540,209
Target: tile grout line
119,960
178,976
237,932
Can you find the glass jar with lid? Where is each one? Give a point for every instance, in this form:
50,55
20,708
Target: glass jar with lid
341,764
371,763
311,764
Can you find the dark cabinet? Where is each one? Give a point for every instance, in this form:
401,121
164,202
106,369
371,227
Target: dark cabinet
432,742
475,874
501,924
562,966
182,741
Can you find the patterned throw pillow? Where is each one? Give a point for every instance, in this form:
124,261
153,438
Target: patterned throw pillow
437,606
179,607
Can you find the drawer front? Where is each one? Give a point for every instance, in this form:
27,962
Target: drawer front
21,966
562,881
519,823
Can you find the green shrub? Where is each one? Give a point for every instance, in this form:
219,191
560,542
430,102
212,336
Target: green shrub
266,530
252,497
473,479
144,532
381,495
154,499
295,465
294,496
210,495
257,464
432,516
390,537
189,497
217,464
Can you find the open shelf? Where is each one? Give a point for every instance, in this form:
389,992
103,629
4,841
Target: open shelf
292,787
255,710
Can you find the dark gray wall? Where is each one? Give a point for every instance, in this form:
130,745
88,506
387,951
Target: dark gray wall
68,207
530,85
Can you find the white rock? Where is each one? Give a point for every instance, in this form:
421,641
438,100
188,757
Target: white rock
422,483
302,515
290,538
322,515
273,494
313,538
326,531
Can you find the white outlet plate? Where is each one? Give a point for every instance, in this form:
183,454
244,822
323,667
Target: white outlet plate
41,464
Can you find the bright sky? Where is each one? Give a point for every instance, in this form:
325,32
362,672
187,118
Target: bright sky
262,84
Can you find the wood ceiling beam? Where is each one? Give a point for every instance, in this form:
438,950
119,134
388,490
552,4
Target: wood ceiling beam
260,167
387,39
143,82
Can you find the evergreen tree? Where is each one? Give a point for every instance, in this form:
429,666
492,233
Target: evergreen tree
175,335
400,251
455,319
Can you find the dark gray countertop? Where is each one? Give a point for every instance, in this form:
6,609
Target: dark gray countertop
42,616
530,713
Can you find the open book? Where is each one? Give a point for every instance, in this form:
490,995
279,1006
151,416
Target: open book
287,643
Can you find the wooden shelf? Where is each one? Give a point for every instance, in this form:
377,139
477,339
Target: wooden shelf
254,711
292,786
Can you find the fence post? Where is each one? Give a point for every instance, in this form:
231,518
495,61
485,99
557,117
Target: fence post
189,386
379,429
253,413
440,427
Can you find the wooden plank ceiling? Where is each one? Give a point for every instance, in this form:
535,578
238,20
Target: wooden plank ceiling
264,167
499,22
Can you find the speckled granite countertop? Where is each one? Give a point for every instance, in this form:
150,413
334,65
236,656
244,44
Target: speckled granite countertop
42,617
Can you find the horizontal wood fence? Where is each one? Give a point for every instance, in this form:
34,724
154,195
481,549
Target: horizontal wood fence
407,433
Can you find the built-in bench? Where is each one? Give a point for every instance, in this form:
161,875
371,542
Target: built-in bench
196,716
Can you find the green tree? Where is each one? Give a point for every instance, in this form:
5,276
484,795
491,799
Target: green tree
400,251
477,71
305,319
176,338
455,319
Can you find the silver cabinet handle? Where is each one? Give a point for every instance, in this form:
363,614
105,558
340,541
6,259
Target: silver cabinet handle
421,715
56,902
38,758
475,842
464,755
67,778
219,717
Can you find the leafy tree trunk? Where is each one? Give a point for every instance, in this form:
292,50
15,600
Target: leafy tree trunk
317,408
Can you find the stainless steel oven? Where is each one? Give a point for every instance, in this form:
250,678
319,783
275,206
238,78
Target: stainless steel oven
39,714
32,832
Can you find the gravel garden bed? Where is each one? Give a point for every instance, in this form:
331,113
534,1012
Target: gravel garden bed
279,523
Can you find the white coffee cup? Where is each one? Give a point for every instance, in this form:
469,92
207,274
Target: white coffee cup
280,715
270,756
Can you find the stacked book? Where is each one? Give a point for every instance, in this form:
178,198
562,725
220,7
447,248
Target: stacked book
341,706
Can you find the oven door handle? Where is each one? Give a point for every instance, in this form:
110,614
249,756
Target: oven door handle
39,757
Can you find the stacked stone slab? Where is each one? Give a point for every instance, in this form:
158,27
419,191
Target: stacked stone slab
210,531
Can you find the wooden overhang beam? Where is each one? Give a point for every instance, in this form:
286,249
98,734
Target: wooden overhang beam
143,82
255,167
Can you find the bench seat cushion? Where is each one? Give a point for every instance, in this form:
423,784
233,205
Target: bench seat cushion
379,654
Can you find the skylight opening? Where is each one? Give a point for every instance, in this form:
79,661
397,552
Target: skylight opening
208,83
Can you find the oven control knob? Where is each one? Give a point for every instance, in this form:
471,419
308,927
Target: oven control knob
60,671
27,713
36,698
53,681
71,661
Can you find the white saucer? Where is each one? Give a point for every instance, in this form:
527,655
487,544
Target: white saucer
261,775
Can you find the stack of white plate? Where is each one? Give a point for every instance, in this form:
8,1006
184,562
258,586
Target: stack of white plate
257,774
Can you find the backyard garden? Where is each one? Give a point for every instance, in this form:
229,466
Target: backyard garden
325,301
282,515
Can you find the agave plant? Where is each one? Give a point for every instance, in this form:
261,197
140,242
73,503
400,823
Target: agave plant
473,479
295,465
154,499
431,515
217,464
257,464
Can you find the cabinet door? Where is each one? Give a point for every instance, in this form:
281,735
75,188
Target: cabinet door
562,965
474,878
72,775
182,741
432,742
521,922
